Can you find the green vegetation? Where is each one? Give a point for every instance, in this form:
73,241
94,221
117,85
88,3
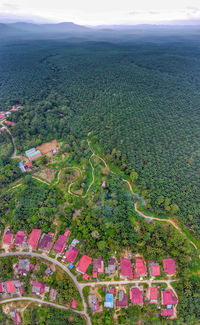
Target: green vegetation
51,316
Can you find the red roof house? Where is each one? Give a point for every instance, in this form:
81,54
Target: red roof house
136,296
8,237
122,300
98,266
33,238
83,264
67,232
60,244
154,268
86,277
37,288
1,288
152,295
10,123
169,266
20,237
10,287
167,312
126,269
46,242
168,298
71,255
140,267
74,303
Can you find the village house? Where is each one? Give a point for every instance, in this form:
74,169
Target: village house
15,317
152,295
93,303
71,255
112,267
34,238
20,238
23,267
126,268
109,301
136,296
8,237
10,123
46,242
154,268
73,244
74,303
59,245
38,288
12,288
168,298
167,312
83,264
98,266
48,271
169,266
122,300
86,277
140,267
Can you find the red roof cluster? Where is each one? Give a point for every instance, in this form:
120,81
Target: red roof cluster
20,237
84,263
126,269
33,238
71,255
140,267
169,266
10,286
168,298
60,244
136,296
8,237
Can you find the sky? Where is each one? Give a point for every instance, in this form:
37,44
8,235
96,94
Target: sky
98,12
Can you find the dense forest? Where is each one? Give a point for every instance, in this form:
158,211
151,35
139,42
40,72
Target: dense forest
140,98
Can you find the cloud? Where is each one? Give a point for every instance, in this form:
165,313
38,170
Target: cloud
9,6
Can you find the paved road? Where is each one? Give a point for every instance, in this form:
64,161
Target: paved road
62,266
41,302
150,282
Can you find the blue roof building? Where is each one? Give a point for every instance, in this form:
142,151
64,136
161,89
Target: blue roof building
109,301
71,266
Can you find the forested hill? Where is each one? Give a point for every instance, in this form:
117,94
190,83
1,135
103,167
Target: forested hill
140,98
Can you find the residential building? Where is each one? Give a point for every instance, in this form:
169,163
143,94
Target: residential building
152,295
167,312
122,300
93,303
154,268
168,298
8,237
74,303
112,267
20,238
109,301
34,238
46,242
38,288
23,267
71,255
15,317
60,244
136,296
98,266
126,268
169,266
83,264
140,267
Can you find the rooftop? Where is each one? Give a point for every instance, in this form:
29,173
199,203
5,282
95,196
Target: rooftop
34,237
168,298
72,254
84,263
126,269
7,239
20,237
169,266
136,296
46,242
109,301
140,267
60,244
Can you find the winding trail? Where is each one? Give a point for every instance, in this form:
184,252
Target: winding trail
40,301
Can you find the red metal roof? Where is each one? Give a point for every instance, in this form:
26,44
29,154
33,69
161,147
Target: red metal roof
46,242
84,263
153,294
19,237
8,237
169,266
167,312
67,232
34,237
155,271
140,267
10,286
1,288
72,254
60,244
136,296
74,303
85,277
168,298
126,269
